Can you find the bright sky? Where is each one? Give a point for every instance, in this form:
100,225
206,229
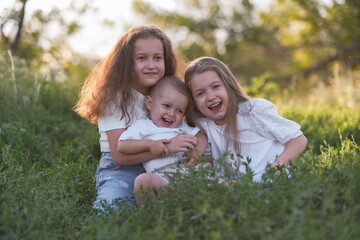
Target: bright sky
95,38
99,38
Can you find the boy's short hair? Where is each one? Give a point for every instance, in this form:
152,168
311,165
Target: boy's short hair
173,81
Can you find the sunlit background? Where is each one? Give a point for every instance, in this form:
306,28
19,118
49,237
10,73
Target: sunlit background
101,24
270,45
303,55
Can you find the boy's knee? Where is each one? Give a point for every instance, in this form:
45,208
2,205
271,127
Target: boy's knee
148,181
143,180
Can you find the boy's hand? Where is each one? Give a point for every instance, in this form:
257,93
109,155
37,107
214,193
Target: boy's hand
181,143
158,148
192,157
191,161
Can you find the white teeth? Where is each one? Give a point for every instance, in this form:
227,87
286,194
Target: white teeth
167,120
214,105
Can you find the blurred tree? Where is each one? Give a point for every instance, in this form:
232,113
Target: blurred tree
223,29
292,38
17,17
41,40
316,34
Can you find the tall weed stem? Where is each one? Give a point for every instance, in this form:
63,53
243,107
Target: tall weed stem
13,73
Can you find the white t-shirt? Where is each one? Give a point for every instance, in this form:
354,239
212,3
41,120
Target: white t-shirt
146,129
111,120
262,134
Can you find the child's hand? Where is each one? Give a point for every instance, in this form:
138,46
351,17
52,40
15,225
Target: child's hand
277,166
190,160
192,157
158,148
181,143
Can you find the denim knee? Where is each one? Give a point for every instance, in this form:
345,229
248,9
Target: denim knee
115,182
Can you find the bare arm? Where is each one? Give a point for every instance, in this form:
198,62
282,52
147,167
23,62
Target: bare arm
293,148
182,143
179,143
133,146
125,159
199,149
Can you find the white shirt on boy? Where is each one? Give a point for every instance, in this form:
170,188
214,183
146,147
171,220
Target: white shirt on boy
146,129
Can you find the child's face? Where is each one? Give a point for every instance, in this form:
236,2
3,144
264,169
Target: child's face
167,108
210,95
149,64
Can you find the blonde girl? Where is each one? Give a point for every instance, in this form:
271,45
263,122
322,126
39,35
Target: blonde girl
233,122
113,97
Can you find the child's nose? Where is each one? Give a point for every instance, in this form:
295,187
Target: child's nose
210,96
171,112
151,63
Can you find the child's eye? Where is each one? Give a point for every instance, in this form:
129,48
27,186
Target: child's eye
216,86
166,105
140,58
159,57
180,111
199,94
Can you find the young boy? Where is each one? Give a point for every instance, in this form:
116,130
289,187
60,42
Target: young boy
167,103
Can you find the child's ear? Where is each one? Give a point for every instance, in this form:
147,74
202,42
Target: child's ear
148,102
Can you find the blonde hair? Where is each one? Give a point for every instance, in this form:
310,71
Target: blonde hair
166,81
114,74
235,91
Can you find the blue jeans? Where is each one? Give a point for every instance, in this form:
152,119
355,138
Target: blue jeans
115,182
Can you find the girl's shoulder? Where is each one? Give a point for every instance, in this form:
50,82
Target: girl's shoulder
203,123
255,105
187,129
135,96
208,125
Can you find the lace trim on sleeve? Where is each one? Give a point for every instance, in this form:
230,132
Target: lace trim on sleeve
266,121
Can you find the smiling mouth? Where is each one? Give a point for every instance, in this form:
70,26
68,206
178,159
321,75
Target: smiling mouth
215,107
166,121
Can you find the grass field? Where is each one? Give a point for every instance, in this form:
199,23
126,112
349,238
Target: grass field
49,156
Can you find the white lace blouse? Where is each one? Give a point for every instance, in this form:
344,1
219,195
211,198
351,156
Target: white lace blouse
262,134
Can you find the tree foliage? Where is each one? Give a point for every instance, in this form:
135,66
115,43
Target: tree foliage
17,17
40,39
287,40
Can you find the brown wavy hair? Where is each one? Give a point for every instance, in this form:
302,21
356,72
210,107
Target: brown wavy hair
234,89
114,74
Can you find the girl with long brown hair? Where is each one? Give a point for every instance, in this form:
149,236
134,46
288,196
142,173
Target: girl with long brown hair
113,97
